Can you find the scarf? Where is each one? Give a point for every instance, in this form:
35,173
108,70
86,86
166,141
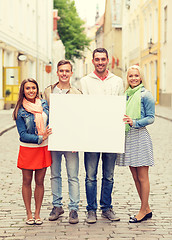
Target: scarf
133,107
36,109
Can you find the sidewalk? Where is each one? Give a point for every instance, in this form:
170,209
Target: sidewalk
7,123
125,199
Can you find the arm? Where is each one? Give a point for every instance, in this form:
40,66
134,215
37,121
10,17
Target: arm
84,88
121,88
149,113
24,136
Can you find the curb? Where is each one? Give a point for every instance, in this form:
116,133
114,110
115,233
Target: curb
166,118
7,129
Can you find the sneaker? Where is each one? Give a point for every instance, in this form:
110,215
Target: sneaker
109,214
91,217
73,217
55,213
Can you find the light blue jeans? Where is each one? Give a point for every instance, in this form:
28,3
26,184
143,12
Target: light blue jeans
72,167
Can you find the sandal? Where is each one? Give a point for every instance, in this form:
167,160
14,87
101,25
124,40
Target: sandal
38,221
30,221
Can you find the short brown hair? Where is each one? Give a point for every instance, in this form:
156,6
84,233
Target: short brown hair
100,50
63,62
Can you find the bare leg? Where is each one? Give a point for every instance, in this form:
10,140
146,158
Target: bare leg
136,180
39,190
141,178
27,191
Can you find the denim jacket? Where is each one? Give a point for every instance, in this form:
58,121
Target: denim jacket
147,110
26,125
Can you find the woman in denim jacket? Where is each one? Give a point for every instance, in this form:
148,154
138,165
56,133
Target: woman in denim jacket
140,112
31,116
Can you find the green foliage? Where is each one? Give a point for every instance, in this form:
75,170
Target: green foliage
70,29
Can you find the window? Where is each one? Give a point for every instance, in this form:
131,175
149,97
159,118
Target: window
156,26
165,24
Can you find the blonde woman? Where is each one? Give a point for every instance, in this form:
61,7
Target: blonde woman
140,112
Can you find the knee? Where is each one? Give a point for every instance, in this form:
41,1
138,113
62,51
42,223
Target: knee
108,178
39,182
27,181
135,177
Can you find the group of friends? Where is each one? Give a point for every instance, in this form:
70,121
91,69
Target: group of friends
31,114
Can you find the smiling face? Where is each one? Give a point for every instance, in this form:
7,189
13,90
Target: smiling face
134,78
100,62
64,73
30,91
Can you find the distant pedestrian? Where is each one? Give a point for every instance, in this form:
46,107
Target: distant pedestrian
63,86
140,112
100,82
31,116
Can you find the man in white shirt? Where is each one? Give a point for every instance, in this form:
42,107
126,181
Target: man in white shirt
100,82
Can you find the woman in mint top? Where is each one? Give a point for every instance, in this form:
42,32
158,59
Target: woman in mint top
140,112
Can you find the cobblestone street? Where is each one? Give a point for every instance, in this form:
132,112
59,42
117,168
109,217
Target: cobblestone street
125,199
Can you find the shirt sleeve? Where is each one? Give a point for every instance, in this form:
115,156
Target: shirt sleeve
24,135
84,87
149,112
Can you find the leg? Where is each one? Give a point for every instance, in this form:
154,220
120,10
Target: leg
108,165
91,161
56,180
143,178
136,180
72,167
27,191
39,190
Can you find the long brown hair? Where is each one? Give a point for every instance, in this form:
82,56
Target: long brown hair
22,95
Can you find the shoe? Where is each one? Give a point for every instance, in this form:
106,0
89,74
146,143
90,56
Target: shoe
30,221
149,215
55,213
73,217
38,221
91,217
109,214
134,220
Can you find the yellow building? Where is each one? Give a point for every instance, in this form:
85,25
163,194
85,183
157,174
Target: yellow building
141,40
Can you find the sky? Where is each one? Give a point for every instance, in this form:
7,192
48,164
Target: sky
87,9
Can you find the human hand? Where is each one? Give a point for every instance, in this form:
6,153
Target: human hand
128,120
47,132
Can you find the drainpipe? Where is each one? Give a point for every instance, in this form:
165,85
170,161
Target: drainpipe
159,45
37,57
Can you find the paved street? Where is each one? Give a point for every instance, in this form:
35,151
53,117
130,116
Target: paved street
125,198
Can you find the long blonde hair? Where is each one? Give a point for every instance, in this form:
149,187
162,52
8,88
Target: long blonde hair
141,75
22,95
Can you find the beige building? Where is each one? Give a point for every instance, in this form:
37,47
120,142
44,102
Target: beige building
25,45
165,95
113,35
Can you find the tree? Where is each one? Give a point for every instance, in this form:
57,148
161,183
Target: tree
70,29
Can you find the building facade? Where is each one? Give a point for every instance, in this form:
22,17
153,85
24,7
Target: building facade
165,95
147,41
112,38
25,45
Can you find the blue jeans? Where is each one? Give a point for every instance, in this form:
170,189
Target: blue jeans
72,167
91,165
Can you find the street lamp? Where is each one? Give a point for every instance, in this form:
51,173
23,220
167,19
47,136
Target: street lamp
150,44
